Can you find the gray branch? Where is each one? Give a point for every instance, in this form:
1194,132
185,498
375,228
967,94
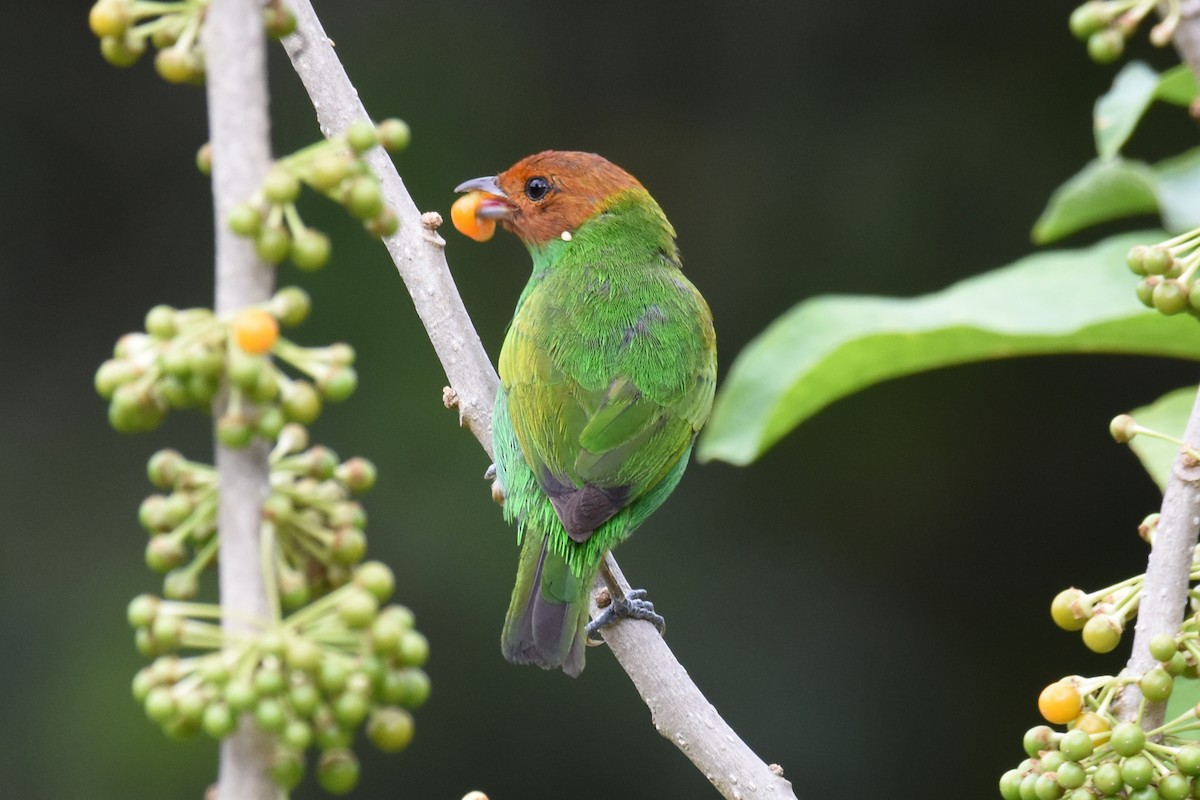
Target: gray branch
239,131
1164,592
678,709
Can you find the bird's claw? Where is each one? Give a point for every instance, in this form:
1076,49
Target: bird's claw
632,606
489,474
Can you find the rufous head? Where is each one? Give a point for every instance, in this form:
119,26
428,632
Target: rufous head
549,193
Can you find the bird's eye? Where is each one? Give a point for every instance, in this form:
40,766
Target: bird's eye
536,189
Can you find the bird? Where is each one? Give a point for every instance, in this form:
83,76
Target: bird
607,374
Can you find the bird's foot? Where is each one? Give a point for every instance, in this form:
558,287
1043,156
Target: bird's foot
497,487
632,606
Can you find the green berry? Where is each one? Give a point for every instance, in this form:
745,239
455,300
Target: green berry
390,729
383,224
165,467
1051,761
337,771
1163,647
1187,759
1145,793
160,704
142,610
1010,785
338,383
328,171
1128,739
280,185
1070,775
377,578
364,199
219,720
1075,745
329,734
1105,46
1047,787
1082,793
302,653
234,431
1156,685
304,697
361,136
1137,771
164,553
135,409
279,21
350,708
1070,609
272,244
1170,297
349,545
394,134
1158,260
160,322
287,768
175,65
1107,778
358,608
109,17
358,474
1135,259
204,159
244,219
270,422
122,51
408,687
1029,786
1102,633
112,374
240,695
1174,787
310,249
181,584
290,305
269,680
301,402
298,734
413,650
1088,19
333,675
1145,291
269,715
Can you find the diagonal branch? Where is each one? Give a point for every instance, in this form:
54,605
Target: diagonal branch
1164,593
678,709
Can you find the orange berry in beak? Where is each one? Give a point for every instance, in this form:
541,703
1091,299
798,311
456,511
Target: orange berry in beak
464,216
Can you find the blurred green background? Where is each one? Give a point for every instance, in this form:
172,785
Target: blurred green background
867,605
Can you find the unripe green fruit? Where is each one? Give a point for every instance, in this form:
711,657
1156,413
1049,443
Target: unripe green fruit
1163,647
1156,685
1137,771
244,219
1170,297
304,698
240,695
122,51
338,771
160,322
1105,46
269,715
358,474
1135,259
1187,759
1047,787
181,584
1145,793
413,650
350,708
160,704
1128,739
287,768
1075,745
329,734
280,185
234,431
175,65
310,249
361,135
301,402
270,422
165,467
302,653
135,409
109,18
1145,291
1158,260
349,546
164,553
377,578
291,305
358,608
338,383
219,721
332,675
279,21
1107,778
1102,633
328,171
204,159
269,680
1174,787
1051,761
408,687
383,224
298,734
272,244
1029,786
1010,785
394,134
1088,19
1082,793
1070,609
142,610
364,199
390,729
112,374
1070,775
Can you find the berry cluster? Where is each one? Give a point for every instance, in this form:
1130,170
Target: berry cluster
1106,24
309,679
127,27
318,528
1168,272
1097,755
334,167
1103,615
181,358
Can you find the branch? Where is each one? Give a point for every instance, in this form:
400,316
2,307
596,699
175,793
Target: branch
1164,592
235,45
678,709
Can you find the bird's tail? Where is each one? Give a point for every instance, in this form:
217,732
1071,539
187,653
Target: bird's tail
548,611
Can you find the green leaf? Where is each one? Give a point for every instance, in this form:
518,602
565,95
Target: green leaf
1118,110
1168,414
1068,301
1178,186
1178,86
1184,696
1102,191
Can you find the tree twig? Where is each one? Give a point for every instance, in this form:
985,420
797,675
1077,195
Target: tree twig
678,709
235,45
1164,592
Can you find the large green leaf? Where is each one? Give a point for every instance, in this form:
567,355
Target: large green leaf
1068,301
1118,110
1168,414
1103,190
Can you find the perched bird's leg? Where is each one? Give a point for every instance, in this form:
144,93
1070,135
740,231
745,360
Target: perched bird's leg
629,604
489,474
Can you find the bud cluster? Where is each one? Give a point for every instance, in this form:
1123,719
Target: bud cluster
1168,272
127,27
180,359
334,167
1106,24
308,680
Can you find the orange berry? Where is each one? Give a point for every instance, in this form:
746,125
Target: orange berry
254,330
1060,703
462,214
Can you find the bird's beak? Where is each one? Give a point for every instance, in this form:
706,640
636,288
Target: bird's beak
497,206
